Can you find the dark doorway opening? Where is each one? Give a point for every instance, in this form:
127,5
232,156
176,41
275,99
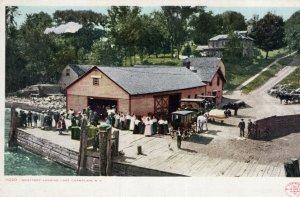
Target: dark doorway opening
101,106
174,102
215,96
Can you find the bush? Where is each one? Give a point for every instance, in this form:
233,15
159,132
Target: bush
187,50
146,62
170,62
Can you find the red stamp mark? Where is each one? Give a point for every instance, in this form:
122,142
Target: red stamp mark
293,189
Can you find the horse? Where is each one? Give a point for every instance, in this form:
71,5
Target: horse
284,96
235,106
200,122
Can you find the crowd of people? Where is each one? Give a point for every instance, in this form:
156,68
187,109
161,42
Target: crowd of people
45,120
63,121
147,125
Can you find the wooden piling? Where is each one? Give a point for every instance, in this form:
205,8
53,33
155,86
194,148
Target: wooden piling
13,127
295,163
139,150
103,152
83,148
116,135
289,171
108,153
292,168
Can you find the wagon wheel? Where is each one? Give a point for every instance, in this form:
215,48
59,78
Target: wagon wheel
190,128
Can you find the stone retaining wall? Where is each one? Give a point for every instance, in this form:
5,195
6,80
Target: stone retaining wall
279,125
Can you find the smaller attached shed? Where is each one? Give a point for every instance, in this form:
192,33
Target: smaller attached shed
211,70
71,73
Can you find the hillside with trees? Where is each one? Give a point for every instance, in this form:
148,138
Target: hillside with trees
126,36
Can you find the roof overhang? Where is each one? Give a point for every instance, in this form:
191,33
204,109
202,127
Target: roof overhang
204,96
183,112
192,100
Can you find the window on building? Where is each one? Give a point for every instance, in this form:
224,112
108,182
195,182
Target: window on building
218,81
210,84
189,96
195,95
95,81
67,72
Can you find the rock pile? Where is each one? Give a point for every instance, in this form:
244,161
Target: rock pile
55,102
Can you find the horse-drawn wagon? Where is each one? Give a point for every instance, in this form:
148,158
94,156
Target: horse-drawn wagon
182,121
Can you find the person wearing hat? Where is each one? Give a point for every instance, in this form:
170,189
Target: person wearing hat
242,128
73,120
250,125
79,118
29,118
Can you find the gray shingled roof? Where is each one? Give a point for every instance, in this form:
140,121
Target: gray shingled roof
143,80
219,37
225,37
81,69
206,66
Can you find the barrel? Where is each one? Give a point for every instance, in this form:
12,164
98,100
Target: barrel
75,133
104,127
92,131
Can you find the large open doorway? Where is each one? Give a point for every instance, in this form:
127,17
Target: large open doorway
100,105
174,102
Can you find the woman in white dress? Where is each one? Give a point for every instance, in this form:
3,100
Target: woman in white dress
117,119
132,122
148,123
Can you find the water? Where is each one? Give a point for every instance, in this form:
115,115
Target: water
18,161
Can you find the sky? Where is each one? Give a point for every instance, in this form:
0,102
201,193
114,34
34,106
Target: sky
248,12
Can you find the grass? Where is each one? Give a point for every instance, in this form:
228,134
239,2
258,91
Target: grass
238,72
266,75
293,79
153,60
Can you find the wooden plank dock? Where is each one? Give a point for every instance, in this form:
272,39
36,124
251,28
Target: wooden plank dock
160,153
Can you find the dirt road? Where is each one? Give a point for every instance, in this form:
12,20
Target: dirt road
263,105
224,141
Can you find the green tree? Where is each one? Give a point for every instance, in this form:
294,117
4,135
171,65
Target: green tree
187,50
292,31
14,61
124,24
87,18
152,35
104,53
37,49
204,26
233,49
94,28
269,33
230,21
176,20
